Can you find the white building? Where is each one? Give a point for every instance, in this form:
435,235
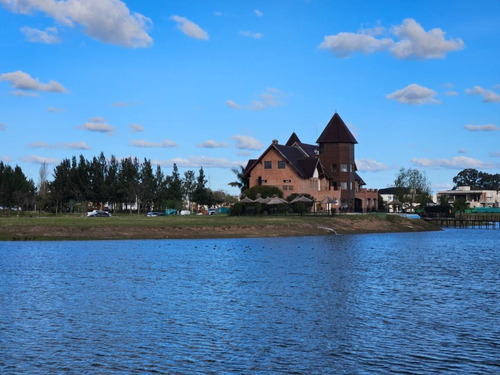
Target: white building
475,198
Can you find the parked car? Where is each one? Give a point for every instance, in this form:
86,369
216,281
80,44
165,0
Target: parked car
98,213
211,211
185,212
154,214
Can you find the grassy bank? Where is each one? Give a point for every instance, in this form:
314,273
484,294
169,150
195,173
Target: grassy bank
66,227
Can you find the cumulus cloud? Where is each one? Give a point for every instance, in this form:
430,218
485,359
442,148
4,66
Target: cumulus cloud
462,151
199,161
244,153
2,127
109,21
344,44
136,128
245,142
416,43
47,36
189,28
35,159
368,165
451,93
411,42
495,154
488,95
209,143
99,125
25,94
258,13
269,98
249,34
23,81
457,162
54,110
482,128
68,145
414,94
167,143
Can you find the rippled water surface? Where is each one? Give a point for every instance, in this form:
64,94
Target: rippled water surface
402,303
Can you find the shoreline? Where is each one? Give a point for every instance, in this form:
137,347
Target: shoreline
137,227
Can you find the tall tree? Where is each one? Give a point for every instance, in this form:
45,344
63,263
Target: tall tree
468,177
412,187
201,194
42,198
188,186
61,186
145,191
128,179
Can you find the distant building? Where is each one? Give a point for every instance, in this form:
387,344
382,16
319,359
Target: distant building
475,198
326,171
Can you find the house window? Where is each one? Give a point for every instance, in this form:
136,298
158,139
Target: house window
343,167
350,167
281,165
287,181
343,185
334,167
268,164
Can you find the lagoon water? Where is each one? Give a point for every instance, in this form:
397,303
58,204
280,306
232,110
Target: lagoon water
414,303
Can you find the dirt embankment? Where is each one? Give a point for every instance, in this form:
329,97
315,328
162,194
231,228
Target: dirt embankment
305,227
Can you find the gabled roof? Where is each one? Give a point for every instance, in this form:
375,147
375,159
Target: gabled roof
310,150
336,131
250,165
293,139
359,179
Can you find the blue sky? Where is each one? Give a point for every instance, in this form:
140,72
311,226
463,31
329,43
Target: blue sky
212,83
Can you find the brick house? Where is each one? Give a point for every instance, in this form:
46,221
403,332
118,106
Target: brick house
326,171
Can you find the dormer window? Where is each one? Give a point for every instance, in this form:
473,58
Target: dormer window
268,164
343,167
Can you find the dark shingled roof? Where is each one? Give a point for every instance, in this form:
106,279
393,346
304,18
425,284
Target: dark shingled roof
293,139
310,150
250,165
359,179
336,131
303,164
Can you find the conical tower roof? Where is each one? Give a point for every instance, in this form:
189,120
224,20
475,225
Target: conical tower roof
336,131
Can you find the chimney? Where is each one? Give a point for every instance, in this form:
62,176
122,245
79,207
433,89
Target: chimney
275,141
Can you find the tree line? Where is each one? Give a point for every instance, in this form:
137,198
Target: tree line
120,183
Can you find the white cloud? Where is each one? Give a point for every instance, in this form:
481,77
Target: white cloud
199,161
167,143
2,127
258,13
368,165
189,28
99,125
495,154
457,162
47,36
38,159
451,93
249,34
68,145
462,151
25,94
414,94
109,21
344,44
269,98
416,43
488,95
23,81
136,128
54,110
244,153
6,159
218,14
245,142
411,42
209,143
233,104
124,104
482,128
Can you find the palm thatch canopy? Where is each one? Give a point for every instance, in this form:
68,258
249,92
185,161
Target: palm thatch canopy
247,200
262,200
276,200
301,199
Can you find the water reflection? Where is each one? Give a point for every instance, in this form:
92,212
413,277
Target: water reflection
414,303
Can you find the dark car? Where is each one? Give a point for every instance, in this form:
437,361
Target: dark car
98,213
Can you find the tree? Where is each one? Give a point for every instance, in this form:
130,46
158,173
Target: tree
477,180
241,181
189,186
264,191
128,180
201,194
60,187
42,198
412,186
